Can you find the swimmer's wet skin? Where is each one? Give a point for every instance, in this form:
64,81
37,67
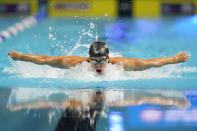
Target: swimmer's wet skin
99,58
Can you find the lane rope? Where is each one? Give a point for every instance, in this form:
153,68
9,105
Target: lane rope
21,26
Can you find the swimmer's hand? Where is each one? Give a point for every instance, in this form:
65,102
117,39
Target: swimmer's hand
182,57
14,55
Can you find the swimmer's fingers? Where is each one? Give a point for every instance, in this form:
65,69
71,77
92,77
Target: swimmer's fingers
14,55
182,56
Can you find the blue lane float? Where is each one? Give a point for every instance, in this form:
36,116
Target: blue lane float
21,26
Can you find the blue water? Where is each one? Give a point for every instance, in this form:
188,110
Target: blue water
7,21
136,100
125,37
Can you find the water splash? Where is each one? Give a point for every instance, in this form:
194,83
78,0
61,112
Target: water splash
52,34
88,34
73,44
112,72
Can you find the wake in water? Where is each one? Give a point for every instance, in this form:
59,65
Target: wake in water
82,72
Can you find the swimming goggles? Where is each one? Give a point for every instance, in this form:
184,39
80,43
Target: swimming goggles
98,60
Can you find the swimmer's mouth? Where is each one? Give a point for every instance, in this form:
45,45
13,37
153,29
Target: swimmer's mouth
98,70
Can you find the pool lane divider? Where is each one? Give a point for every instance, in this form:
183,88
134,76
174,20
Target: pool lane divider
21,26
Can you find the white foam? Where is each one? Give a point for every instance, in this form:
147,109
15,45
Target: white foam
83,72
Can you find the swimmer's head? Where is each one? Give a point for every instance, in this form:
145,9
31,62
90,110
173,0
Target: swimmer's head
99,55
98,49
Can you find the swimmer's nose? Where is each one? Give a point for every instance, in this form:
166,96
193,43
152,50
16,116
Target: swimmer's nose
98,66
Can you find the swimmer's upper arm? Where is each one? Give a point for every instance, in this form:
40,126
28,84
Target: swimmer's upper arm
130,63
65,61
73,60
135,64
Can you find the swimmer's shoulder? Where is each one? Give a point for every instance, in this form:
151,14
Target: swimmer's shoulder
74,59
127,63
116,60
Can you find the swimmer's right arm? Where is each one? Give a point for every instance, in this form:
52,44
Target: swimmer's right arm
55,61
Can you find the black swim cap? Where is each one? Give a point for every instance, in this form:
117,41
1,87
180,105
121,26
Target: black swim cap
98,49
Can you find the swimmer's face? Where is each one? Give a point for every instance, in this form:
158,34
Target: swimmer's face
99,63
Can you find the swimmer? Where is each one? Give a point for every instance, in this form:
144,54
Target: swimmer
99,58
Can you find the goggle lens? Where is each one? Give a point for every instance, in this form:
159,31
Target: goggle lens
98,60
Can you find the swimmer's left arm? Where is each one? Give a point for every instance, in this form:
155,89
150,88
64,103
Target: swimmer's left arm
142,64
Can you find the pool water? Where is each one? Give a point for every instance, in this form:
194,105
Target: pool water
119,109
21,82
128,38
